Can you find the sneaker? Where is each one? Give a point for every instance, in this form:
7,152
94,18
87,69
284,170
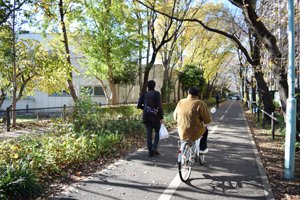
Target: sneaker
204,151
155,152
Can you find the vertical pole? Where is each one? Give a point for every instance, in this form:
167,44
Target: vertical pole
245,84
273,126
298,47
8,119
290,136
64,112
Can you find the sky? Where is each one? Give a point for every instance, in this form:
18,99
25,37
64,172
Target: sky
226,3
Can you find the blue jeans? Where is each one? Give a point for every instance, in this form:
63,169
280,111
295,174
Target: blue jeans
152,145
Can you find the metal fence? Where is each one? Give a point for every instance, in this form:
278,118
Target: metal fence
260,114
34,113
42,113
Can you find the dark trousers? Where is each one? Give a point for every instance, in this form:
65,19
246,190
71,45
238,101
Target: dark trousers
203,141
152,145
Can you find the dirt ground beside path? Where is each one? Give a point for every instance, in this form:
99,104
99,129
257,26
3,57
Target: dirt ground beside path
272,156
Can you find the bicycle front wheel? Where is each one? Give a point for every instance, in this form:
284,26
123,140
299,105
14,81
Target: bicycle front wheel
184,163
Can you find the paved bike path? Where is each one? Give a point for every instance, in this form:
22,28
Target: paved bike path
232,169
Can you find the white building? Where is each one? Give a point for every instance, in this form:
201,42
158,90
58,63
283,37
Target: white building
43,100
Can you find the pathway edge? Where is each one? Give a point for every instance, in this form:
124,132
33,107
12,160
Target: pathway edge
265,181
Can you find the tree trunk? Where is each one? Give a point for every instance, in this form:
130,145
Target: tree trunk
15,86
143,86
66,43
112,86
140,71
263,90
147,71
2,97
269,42
113,99
242,81
165,87
178,90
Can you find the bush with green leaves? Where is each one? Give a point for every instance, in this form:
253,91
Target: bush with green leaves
276,104
18,182
169,107
89,116
96,132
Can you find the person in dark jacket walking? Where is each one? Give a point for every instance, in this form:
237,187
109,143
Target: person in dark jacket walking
217,97
150,103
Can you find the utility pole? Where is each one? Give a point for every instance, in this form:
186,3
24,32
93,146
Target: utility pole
245,85
290,135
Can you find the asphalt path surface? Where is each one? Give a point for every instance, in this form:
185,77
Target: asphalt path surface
232,169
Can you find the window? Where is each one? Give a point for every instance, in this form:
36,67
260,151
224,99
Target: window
86,90
63,93
98,91
92,91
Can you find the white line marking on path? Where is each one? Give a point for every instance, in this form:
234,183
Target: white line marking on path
172,187
230,105
169,191
214,128
222,117
226,111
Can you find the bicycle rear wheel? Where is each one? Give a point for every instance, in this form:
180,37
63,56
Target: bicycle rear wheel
184,163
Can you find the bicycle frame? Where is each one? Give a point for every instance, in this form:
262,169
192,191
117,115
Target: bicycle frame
195,146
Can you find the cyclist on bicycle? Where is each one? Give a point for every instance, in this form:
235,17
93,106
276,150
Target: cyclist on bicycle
191,115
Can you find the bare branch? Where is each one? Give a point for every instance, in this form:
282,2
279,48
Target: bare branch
10,11
230,36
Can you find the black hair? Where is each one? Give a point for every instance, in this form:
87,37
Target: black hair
194,91
151,85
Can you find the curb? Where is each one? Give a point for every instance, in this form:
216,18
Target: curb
263,175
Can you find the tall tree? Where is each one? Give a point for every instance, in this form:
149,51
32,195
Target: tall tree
192,75
14,67
262,33
61,13
265,36
110,44
36,68
6,59
158,38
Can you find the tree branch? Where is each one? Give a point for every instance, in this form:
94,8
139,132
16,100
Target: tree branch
230,36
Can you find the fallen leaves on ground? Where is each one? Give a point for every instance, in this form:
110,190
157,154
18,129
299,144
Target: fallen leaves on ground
272,157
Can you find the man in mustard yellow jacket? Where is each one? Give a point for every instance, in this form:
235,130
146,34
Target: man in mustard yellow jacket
191,115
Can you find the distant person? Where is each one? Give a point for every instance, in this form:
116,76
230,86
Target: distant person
150,103
217,97
191,115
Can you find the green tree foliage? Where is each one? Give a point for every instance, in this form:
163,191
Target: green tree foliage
7,8
58,16
110,43
36,67
192,75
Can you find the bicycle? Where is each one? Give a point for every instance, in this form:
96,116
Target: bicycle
189,153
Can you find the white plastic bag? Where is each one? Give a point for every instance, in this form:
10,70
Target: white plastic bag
163,132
